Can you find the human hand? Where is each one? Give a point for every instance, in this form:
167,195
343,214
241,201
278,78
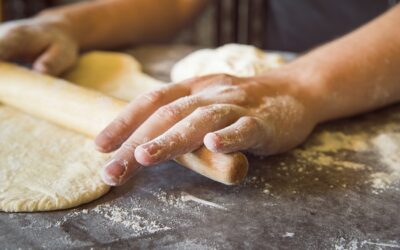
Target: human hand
42,41
262,115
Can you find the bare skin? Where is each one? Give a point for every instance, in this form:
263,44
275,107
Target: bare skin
56,35
264,115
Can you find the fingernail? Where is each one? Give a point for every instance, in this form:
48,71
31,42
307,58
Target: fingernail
113,173
212,141
150,149
41,68
101,148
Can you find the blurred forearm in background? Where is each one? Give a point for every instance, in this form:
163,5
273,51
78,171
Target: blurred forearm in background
224,21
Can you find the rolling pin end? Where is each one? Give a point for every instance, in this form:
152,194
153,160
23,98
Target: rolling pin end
229,169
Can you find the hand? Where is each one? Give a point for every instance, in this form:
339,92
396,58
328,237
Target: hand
262,115
41,41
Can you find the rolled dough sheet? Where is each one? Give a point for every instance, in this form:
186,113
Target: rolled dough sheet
45,167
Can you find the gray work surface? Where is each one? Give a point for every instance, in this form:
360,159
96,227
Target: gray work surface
339,191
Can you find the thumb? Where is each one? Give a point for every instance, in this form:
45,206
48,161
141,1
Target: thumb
55,60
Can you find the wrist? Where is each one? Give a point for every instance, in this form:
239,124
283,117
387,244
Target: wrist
308,83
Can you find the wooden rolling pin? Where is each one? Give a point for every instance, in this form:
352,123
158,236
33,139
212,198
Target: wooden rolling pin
88,112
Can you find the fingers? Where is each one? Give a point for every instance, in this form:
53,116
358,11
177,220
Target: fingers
122,166
246,133
55,59
187,135
165,117
135,114
50,50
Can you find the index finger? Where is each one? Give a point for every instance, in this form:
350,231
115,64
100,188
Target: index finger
135,114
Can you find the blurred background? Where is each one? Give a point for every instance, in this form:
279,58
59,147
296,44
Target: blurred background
224,21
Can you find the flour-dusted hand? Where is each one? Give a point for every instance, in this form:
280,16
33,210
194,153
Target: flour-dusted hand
263,115
41,41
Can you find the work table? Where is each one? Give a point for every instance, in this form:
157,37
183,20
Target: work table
341,189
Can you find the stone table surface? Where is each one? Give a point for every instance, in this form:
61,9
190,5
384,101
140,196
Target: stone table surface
340,190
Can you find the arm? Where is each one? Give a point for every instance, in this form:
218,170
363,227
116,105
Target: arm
109,24
264,115
56,35
356,73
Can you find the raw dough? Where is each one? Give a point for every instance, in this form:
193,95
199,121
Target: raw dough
234,59
116,74
45,167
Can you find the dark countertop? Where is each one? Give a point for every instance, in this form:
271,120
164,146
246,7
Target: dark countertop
341,190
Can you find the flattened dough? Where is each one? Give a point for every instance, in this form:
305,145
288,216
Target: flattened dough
45,167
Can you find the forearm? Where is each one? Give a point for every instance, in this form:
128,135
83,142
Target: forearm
356,73
109,24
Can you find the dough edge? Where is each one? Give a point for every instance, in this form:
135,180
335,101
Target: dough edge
48,204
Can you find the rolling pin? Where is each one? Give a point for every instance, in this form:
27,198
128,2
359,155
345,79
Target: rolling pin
87,111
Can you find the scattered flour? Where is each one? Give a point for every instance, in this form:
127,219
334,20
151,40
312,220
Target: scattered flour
288,235
383,141
130,219
388,146
189,197
355,244
180,201
333,142
170,199
117,215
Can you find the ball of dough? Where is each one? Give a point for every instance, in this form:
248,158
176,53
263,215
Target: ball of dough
234,59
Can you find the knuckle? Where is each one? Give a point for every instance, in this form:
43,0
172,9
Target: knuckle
176,138
170,112
107,136
203,110
188,101
224,79
213,110
154,97
130,146
121,123
113,132
250,121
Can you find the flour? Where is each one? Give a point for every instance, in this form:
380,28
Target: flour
288,235
354,244
324,148
118,216
170,199
130,219
333,142
181,201
189,197
388,146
